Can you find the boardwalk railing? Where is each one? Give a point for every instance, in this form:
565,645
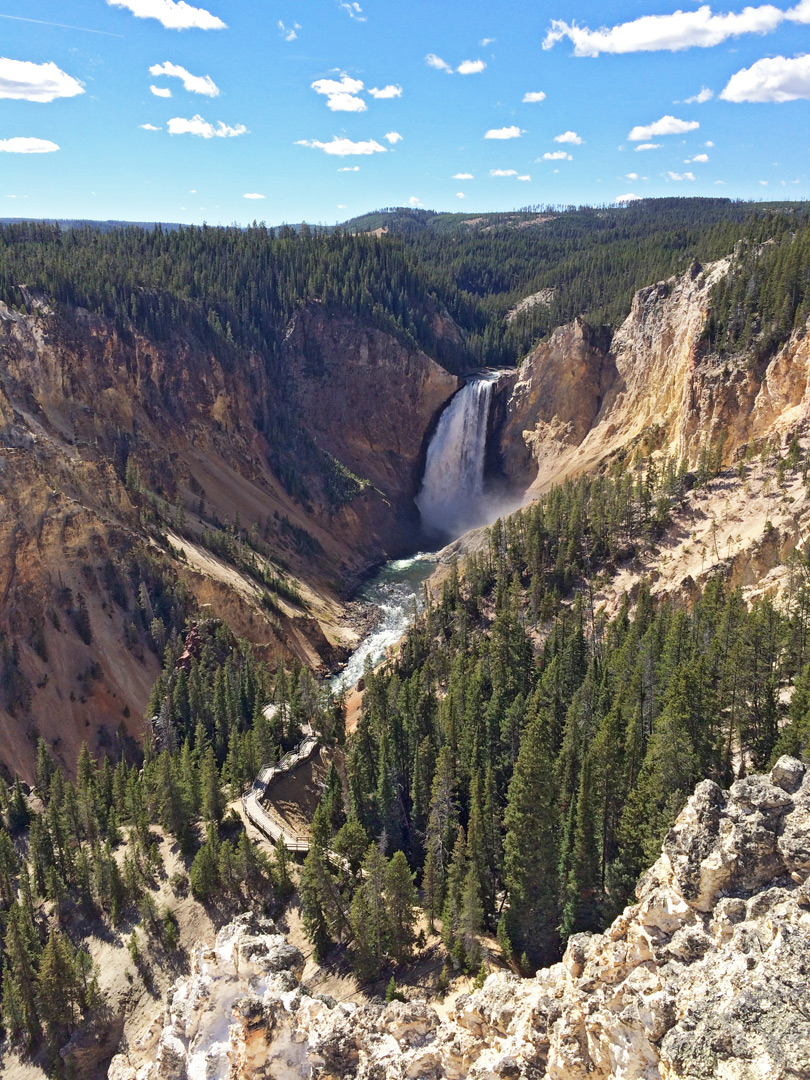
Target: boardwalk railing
264,818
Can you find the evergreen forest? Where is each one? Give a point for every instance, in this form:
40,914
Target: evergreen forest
236,289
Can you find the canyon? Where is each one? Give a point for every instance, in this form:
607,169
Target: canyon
145,479
93,420
90,421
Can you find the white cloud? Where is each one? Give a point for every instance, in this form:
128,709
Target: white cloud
525,177
629,197
195,84
22,80
349,168
161,91
434,61
346,103
470,67
681,176
393,137
390,91
149,127
512,132
673,32
414,201
487,41
344,147
289,33
353,10
568,137
532,96
197,126
631,176
697,157
503,172
460,195
667,125
253,195
22,145
341,94
709,143
557,155
648,146
341,206
463,176
700,98
764,183
775,78
172,14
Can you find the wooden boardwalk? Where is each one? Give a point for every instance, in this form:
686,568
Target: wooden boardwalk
266,821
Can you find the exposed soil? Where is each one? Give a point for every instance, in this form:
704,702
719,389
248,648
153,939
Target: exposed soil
295,795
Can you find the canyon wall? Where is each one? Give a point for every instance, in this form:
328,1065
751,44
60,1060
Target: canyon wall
117,452
705,976
577,400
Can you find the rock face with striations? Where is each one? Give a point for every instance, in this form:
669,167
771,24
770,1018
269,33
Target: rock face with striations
706,976
576,400
367,398
83,406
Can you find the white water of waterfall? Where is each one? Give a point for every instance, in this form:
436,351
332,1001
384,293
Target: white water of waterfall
451,499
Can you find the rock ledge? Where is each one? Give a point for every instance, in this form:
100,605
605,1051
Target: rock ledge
707,975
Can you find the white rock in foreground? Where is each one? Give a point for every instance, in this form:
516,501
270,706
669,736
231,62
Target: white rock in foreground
707,976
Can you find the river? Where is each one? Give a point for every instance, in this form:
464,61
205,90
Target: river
396,591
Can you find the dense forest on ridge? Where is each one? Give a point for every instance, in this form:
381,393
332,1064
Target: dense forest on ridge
237,288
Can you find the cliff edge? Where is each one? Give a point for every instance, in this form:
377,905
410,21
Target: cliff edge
579,399
706,976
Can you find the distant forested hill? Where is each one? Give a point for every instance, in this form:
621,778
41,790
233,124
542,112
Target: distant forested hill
396,268
586,260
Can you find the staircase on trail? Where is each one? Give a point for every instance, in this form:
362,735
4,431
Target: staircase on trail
265,819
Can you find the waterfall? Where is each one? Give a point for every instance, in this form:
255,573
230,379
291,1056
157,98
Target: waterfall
451,499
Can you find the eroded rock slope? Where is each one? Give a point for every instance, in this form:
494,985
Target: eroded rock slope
707,975
576,400
112,443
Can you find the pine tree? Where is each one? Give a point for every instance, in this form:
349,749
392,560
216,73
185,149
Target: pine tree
442,830
213,803
204,873
530,850
581,911
58,991
314,888
400,900
451,911
369,916
281,871
21,1017
471,919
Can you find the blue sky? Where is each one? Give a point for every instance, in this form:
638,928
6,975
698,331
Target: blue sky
321,109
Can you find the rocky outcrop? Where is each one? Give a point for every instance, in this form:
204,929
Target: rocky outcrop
577,401
705,976
556,397
321,463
